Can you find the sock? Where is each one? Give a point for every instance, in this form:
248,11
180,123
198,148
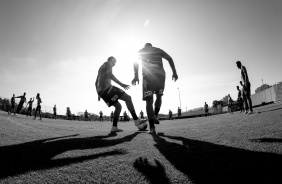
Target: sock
157,110
151,122
115,121
133,114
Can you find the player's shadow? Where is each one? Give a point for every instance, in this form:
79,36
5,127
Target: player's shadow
38,155
154,173
267,140
205,162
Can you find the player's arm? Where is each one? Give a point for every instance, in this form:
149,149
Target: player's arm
136,70
171,63
96,86
113,78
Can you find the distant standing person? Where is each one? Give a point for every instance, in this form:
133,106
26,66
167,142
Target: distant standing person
38,108
29,104
206,107
55,112
179,112
86,115
153,80
240,100
112,116
229,104
68,113
243,96
13,105
101,116
246,87
141,115
22,101
170,114
111,94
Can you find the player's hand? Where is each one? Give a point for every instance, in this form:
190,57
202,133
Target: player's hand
125,86
174,77
99,98
134,81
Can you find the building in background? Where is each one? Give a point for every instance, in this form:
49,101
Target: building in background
262,87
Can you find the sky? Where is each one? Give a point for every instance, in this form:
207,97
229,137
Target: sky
55,48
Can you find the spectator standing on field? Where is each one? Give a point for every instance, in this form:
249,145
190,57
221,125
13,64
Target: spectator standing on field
246,87
206,107
55,112
179,112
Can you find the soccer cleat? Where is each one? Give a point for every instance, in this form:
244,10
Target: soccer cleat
246,112
152,131
250,112
115,129
156,121
138,121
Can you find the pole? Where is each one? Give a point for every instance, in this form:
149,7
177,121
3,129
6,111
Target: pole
179,97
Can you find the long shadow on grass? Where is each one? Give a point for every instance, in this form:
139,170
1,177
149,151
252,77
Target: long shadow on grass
39,155
205,162
155,174
268,140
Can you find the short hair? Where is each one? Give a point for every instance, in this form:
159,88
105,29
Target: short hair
237,86
110,58
238,62
240,82
148,45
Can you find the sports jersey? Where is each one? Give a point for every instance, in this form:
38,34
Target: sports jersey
30,103
152,60
13,100
206,106
54,109
103,80
244,75
38,101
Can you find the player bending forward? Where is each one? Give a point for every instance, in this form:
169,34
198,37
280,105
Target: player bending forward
153,80
111,94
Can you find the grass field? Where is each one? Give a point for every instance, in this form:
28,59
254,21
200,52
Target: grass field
227,148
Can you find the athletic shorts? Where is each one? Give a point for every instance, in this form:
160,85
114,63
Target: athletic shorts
153,84
13,106
111,95
247,90
38,108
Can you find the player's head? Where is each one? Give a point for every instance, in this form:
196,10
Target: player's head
38,95
112,60
24,93
239,64
55,105
238,87
148,45
241,83
13,95
30,99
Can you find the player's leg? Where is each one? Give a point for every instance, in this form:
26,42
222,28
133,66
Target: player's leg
158,104
150,114
116,117
128,101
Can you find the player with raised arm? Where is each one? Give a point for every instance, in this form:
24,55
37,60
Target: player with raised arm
29,104
111,94
153,80
38,108
22,101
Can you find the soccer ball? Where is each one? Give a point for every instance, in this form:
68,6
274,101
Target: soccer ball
142,126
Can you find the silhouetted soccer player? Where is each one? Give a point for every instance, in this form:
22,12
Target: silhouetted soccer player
22,101
112,116
13,105
29,104
101,116
170,114
55,112
38,108
86,115
141,115
246,86
111,94
240,100
179,112
229,103
206,107
153,80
